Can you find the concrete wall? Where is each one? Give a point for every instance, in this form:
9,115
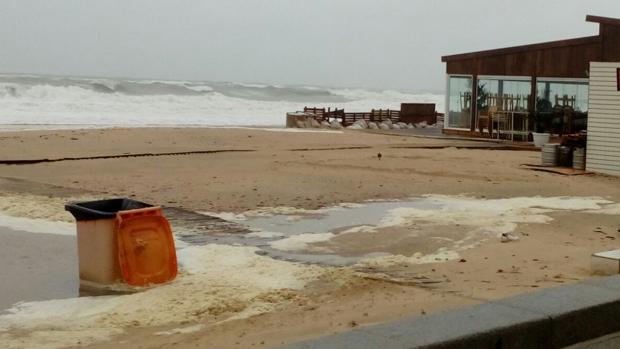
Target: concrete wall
603,150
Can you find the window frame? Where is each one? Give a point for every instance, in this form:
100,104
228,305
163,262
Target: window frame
447,111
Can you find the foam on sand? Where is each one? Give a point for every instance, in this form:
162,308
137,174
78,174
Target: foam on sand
494,216
289,130
216,281
442,255
301,242
37,213
37,206
477,219
481,218
38,226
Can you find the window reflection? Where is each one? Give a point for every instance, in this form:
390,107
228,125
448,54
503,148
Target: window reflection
564,94
496,97
562,107
460,102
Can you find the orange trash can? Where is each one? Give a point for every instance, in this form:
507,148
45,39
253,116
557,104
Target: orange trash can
123,240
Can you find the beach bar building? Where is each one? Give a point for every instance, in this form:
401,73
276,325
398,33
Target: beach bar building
510,92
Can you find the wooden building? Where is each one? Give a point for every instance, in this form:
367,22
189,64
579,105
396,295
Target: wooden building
509,92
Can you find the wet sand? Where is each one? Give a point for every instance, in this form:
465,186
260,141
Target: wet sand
36,267
305,170
315,170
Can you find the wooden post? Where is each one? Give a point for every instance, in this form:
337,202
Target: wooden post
474,103
532,102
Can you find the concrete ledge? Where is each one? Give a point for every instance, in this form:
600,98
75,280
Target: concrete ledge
578,312
551,318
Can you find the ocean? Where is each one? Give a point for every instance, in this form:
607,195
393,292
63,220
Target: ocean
44,102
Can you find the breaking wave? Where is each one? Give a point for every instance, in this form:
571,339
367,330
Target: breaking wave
30,101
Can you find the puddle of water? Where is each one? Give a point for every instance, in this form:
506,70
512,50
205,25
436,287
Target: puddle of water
264,230
36,267
422,229
334,218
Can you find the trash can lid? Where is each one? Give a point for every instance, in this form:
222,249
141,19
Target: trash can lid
102,209
145,247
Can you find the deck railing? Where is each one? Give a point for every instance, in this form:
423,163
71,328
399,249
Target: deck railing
347,119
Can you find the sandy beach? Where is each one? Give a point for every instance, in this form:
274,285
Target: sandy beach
437,249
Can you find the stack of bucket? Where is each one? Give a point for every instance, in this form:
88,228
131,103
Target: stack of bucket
550,154
579,159
565,156
122,241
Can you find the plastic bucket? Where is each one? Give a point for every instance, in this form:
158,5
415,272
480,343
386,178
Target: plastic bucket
565,156
579,159
549,154
540,139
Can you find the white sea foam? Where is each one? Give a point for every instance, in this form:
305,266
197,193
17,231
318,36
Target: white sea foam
492,216
216,280
301,242
44,102
265,234
39,226
441,255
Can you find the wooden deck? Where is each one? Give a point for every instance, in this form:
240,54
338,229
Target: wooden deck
349,118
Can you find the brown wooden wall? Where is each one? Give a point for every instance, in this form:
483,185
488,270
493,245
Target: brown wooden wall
569,61
611,42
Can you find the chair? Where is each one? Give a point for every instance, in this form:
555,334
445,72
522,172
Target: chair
496,120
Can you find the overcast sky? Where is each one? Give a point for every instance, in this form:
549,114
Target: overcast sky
379,43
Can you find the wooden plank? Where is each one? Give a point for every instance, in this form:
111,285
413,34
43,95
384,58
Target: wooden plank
603,122
591,163
602,165
611,111
566,171
603,65
603,111
603,91
597,73
605,84
611,136
594,127
604,144
594,164
614,163
605,97
604,147
515,49
609,128
604,155
595,154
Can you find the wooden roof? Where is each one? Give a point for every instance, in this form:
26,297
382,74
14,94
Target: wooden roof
522,48
603,20
564,58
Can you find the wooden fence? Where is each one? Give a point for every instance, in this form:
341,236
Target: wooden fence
348,119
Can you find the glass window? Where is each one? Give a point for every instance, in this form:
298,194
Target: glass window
561,106
498,95
459,103
562,94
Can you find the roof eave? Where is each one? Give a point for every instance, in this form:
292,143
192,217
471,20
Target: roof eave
522,48
602,20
